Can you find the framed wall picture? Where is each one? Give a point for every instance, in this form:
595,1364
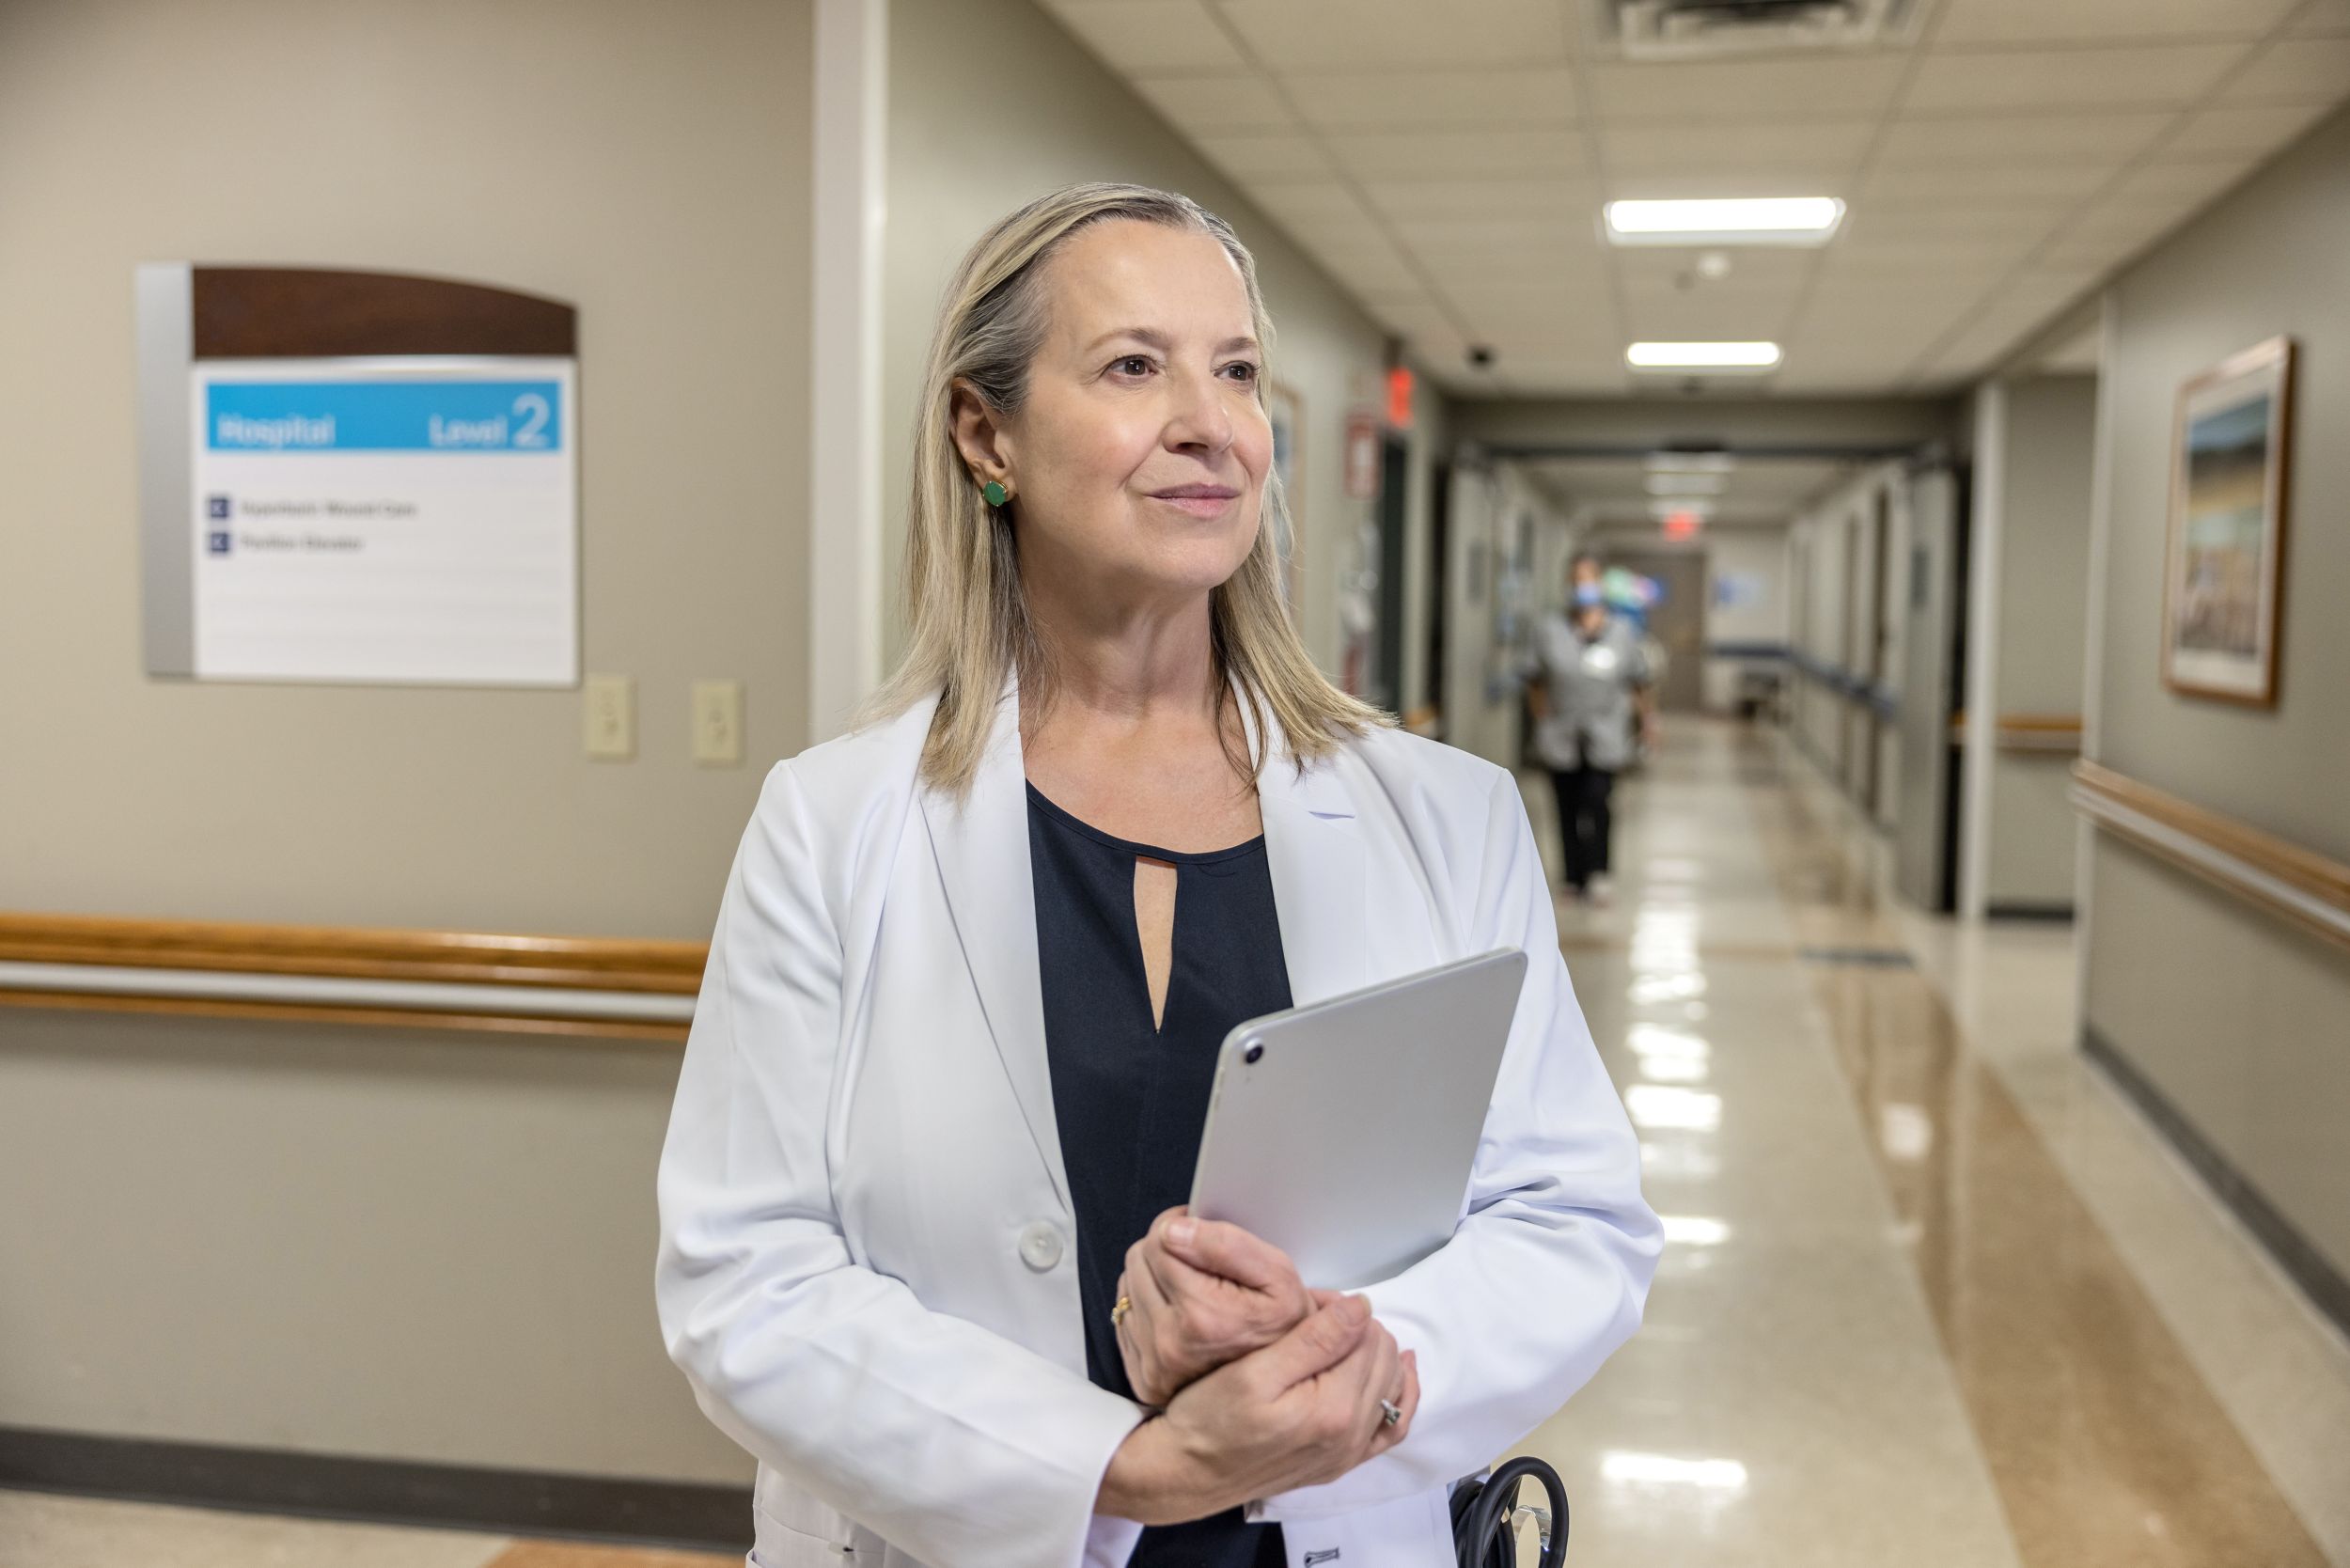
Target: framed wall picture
1288,414
2223,566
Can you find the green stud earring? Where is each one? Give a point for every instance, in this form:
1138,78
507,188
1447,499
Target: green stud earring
995,493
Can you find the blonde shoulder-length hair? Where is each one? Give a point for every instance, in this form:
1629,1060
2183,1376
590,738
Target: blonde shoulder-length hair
968,620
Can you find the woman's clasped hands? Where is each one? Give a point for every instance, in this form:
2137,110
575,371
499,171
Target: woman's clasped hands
1264,1384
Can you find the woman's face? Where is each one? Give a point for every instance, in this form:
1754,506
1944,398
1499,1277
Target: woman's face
1140,458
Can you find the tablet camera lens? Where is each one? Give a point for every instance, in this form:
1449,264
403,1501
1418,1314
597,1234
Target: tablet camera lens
1256,1053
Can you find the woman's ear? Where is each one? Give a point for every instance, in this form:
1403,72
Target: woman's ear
985,446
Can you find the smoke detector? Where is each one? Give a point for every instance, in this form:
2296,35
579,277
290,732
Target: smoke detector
1713,29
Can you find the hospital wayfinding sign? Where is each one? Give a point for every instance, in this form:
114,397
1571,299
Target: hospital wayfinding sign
343,515
393,523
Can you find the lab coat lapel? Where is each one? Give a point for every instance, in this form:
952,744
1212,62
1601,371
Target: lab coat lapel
981,843
1315,849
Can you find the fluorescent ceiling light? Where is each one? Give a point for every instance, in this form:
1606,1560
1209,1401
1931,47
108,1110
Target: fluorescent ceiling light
1661,508
1740,220
1686,484
1702,356
1691,462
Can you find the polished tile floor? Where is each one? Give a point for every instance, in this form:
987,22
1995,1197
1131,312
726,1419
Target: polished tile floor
1940,1297
1934,1296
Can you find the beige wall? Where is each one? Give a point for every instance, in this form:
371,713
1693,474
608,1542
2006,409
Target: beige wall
2235,1018
483,143
992,104
334,1239
2043,619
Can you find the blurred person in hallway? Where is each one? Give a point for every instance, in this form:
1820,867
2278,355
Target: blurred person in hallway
1588,682
923,1252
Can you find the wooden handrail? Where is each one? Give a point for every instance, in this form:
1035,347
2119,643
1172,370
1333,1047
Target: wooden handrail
465,957
548,985
2040,733
2299,885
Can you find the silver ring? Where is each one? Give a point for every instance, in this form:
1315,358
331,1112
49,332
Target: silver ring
1390,1412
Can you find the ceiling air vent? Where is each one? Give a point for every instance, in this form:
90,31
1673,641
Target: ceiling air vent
1713,29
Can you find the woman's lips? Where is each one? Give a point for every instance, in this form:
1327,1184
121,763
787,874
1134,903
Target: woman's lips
1199,500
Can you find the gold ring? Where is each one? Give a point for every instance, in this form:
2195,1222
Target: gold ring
1118,1313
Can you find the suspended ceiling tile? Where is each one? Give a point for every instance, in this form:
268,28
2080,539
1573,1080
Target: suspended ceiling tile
2152,74
1761,147
1217,105
1365,270
2294,71
1791,180
1461,154
2109,138
1515,270
1273,156
1149,36
2102,252
1561,378
1548,236
2321,16
1399,101
1362,238
2020,184
2187,183
1416,315
1950,223
1979,22
1494,304
1752,267
1846,86
1297,36
1482,198
2128,224
1309,200
2254,130
1696,319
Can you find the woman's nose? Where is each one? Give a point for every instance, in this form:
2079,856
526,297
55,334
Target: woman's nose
1198,418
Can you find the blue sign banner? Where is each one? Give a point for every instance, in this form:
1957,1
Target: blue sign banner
383,416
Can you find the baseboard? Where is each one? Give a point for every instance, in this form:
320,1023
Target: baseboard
1999,910
378,1491
2310,1269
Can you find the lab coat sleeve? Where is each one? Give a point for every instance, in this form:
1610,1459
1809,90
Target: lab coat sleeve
951,1442
1549,1269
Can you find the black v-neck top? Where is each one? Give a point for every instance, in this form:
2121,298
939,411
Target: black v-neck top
1131,1099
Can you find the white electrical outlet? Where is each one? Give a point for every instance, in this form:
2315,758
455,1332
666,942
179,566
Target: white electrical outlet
718,723
611,717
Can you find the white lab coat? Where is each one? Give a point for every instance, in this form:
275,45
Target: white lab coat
866,1245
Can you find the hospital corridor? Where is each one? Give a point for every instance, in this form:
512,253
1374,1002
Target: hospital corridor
1175,784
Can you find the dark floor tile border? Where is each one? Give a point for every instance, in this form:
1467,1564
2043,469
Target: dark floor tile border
378,1491
2308,1268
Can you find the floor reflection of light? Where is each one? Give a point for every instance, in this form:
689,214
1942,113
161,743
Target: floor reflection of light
1678,1159
1668,1055
1694,1230
1657,1106
1674,870
1906,1131
1650,990
1663,940
1655,1469
1673,1070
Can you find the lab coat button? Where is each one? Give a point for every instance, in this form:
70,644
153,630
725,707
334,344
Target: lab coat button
1039,1248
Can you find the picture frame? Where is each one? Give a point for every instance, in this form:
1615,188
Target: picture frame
2223,555
1286,411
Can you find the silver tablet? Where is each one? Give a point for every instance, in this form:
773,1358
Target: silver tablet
1343,1133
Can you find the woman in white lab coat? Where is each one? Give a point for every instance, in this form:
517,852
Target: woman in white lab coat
913,1147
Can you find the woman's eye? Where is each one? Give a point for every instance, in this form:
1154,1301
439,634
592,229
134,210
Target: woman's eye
1247,371
1133,365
